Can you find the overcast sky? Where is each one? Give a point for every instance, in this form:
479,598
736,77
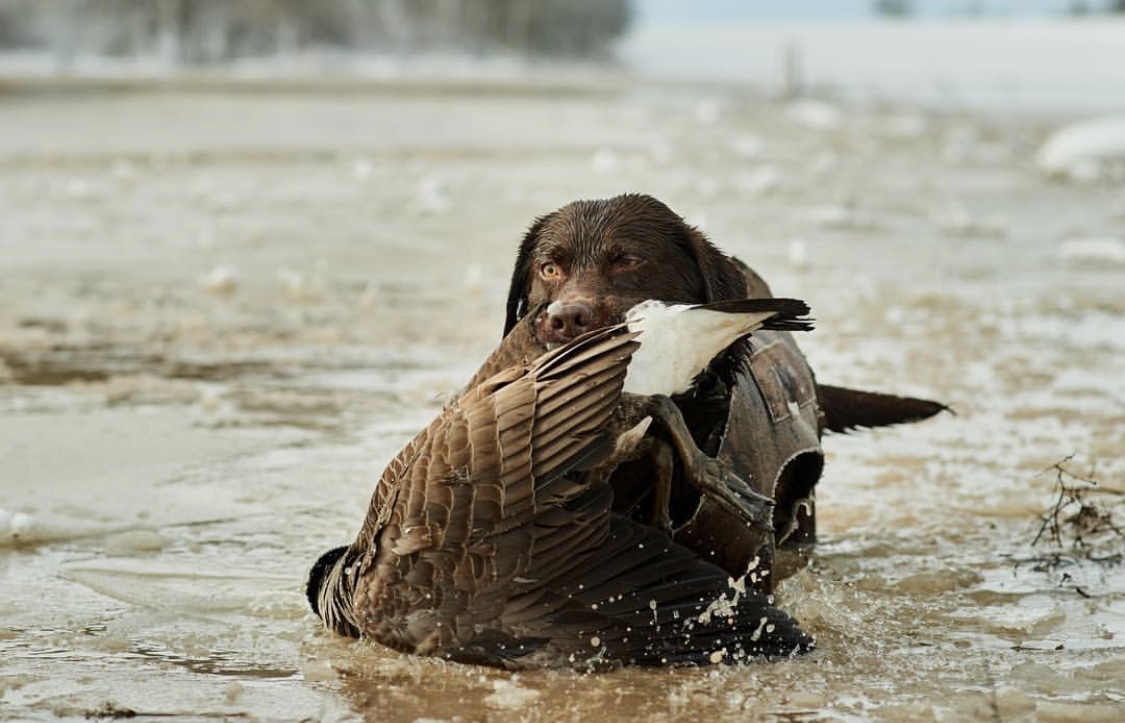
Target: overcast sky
665,11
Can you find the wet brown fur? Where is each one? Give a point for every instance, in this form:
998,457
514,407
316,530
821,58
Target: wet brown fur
678,264
588,238
667,259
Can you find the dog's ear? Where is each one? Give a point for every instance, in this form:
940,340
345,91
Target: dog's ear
756,286
521,274
723,276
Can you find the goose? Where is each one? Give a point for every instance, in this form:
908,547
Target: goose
675,452
491,538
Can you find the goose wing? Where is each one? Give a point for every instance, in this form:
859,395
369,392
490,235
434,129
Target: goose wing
425,564
486,542
518,349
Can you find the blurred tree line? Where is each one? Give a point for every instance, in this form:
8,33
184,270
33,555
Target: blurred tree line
213,31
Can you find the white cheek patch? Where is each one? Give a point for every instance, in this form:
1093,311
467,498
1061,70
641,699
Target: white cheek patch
678,342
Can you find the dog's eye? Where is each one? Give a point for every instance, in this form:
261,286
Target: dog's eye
550,270
624,262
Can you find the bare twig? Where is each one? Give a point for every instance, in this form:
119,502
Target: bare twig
1071,492
1076,528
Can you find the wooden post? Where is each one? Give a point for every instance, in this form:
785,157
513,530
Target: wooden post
792,83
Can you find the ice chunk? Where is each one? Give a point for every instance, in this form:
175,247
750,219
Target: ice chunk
799,253
816,115
510,695
22,523
1085,150
1093,249
14,525
135,542
221,281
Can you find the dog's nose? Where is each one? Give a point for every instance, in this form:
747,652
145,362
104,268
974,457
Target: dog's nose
566,321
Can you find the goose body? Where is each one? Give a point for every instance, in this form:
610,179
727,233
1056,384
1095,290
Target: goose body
488,541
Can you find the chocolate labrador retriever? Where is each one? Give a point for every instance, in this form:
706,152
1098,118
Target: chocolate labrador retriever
758,409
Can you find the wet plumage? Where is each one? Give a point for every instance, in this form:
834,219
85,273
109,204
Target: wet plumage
487,541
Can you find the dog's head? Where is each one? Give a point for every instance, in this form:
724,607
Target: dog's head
582,266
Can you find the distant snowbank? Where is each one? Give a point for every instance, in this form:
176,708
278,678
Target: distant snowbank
320,63
1042,65
1067,66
